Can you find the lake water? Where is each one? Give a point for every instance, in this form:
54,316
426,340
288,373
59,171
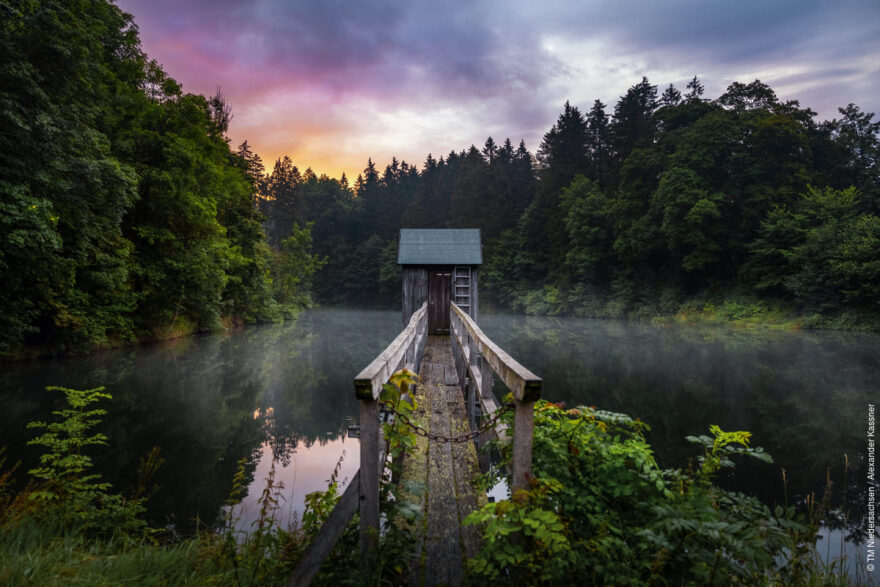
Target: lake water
283,394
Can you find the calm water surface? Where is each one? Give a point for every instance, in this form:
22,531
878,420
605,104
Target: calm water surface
275,393
803,395
282,396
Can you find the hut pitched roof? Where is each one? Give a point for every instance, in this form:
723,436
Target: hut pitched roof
439,246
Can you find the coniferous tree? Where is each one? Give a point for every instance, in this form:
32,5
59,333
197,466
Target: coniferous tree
856,138
695,90
633,123
468,199
562,155
599,146
256,172
671,96
283,188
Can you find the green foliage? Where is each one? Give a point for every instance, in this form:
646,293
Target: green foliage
521,535
584,207
507,269
601,511
32,555
695,197
68,70
720,447
397,399
124,214
690,219
67,491
263,554
822,250
295,265
319,504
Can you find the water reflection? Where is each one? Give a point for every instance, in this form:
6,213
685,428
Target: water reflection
803,395
208,402
307,469
284,393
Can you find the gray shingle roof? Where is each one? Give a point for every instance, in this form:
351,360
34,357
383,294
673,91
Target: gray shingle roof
439,246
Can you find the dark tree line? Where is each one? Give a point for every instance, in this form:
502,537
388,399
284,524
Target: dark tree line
355,228
668,198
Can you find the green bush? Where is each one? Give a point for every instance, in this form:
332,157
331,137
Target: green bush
68,492
601,511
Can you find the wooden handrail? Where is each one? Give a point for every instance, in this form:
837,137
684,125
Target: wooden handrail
330,531
404,351
369,382
478,352
363,493
525,385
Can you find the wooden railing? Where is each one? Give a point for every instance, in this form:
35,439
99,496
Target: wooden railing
362,493
476,357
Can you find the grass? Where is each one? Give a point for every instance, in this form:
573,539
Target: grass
31,553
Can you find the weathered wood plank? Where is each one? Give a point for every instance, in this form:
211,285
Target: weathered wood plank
448,471
475,295
369,382
415,473
369,482
490,405
461,352
415,290
442,545
465,469
309,565
523,429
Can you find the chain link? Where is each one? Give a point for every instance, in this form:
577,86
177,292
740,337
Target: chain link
490,423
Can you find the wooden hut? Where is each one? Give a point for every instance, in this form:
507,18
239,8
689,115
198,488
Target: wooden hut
439,265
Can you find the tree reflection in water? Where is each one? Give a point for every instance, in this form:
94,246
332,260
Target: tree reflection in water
803,395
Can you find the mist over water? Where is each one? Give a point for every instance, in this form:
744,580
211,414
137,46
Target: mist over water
284,393
258,393
803,395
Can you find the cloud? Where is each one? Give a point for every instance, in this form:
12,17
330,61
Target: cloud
381,77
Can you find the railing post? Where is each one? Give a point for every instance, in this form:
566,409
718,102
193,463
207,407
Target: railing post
486,384
473,388
369,482
462,366
457,357
488,380
402,352
523,427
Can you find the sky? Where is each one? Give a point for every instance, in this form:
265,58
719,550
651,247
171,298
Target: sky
332,83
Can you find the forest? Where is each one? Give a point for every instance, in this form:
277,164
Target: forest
670,200
126,215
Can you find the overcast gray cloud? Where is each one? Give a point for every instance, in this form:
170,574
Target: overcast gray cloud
334,82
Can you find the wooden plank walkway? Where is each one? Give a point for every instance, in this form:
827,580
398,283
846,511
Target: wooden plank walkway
447,470
439,475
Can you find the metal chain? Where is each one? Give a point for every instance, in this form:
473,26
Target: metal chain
490,423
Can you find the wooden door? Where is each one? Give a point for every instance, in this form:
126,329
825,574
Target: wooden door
439,286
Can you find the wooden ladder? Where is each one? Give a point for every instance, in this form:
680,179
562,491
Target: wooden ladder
461,285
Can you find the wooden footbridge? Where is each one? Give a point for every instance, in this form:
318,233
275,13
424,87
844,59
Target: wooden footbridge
457,364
